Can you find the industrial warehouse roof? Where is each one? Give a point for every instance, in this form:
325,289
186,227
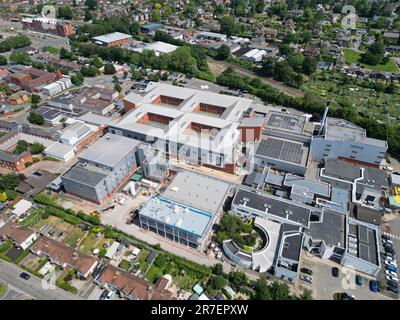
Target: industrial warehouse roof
273,205
109,150
339,129
179,216
112,37
282,149
197,190
88,175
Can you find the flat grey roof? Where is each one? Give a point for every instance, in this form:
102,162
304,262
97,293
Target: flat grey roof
197,190
281,149
109,150
177,215
331,229
367,246
373,177
292,246
112,37
368,215
282,208
85,175
314,186
285,121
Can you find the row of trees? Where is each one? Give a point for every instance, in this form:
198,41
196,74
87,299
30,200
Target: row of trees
14,43
34,148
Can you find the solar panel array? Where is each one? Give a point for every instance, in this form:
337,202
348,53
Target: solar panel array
287,122
281,149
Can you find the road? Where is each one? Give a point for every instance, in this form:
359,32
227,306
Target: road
32,288
244,72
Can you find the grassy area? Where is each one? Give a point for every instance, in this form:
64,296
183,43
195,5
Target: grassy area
33,218
1,290
352,56
124,264
153,273
73,239
4,248
52,50
143,265
89,243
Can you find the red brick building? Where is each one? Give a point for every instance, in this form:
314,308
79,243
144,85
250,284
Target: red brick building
112,39
31,79
45,25
14,162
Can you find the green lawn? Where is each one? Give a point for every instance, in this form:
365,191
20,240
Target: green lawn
89,243
52,50
352,56
74,237
1,290
153,273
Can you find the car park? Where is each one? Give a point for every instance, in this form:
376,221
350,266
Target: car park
335,272
373,285
307,271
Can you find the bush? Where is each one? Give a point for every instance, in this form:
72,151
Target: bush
66,286
35,118
28,164
35,159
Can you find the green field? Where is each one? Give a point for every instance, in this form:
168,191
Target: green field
352,57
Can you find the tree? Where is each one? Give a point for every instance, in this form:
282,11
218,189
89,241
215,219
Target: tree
309,65
10,182
21,147
3,60
223,52
155,15
35,118
77,79
117,87
375,53
65,12
20,58
218,282
306,295
218,269
37,148
229,26
90,71
260,5
109,69
262,290
35,98
88,15
237,278
161,261
91,4
279,291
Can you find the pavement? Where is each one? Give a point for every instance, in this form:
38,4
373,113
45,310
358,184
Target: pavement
18,288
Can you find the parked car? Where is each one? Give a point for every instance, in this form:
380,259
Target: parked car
385,237
391,268
305,278
391,278
335,272
393,283
359,280
390,250
25,275
390,258
387,242
109,295
373,285
307,271
390,263
387,168
103,295
391,273
393,289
